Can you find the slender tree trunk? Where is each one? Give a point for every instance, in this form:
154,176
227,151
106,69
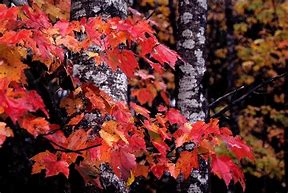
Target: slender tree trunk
172,17
189,74
230,60
286,135
231,56
113,83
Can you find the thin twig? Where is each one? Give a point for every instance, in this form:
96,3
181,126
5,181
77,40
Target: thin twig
226,108
64,149
225,96
50,132
150,15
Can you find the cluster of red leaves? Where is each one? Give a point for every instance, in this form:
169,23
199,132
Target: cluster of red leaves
121,138
146,87
32,29
206,139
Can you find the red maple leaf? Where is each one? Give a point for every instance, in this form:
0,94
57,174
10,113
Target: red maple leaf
12,37
164,55
187,162
162,147
175,117
124,59
140,110
225,168
238,147
16,102
49,161
4,132
36,125
121,112
220,168
158,170
122,162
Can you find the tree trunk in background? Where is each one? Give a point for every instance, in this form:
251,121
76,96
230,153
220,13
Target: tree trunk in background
286,135
230,60
189,74
113,83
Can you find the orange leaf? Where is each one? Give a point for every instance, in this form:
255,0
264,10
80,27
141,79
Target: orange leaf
11,66
72,104
50,163
187,162
35,125
141,170
140,110
4,132
75,120
77,140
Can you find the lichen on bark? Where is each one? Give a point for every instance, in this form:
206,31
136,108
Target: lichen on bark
113,83
105,8
189,74
191,47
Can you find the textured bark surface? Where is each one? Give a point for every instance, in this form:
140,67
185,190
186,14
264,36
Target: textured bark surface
91,8
113,83
110,181
191,47
190,99
14,2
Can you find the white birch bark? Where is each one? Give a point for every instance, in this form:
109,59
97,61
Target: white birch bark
113,83
190,99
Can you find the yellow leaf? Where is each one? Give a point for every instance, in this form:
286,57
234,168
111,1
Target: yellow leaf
108,138
130,179
11,66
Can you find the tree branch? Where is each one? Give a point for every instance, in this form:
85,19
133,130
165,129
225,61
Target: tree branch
225,96
79,151
251,91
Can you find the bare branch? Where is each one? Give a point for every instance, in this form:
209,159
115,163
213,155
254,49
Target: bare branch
79,151
225,96
251,91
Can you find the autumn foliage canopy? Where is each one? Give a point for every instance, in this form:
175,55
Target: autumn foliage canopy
129,139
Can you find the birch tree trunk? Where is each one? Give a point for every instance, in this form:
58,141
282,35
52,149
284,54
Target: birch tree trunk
113,83
189,74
